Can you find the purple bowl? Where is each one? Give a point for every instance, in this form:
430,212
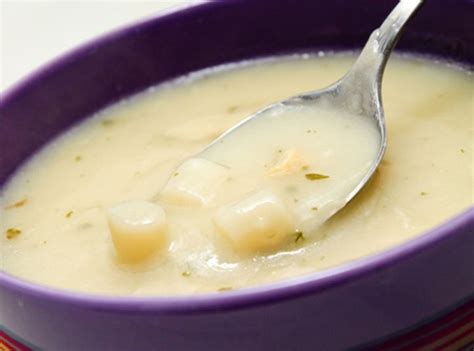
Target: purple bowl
361,304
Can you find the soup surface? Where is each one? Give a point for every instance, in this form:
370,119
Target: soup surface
55,216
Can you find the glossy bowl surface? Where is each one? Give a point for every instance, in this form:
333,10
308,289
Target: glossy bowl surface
365,303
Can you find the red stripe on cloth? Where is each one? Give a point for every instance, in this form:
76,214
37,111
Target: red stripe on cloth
6,345
444,331
457,336
468,335
4,337
432,330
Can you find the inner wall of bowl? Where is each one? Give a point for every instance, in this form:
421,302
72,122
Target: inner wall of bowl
130,60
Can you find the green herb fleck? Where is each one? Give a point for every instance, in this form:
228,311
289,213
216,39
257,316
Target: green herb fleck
280,151
315,176
462,150
232,109
186,274
176,174
69,214
314,208
304,168
295,200
78,158
299,236
225,288
107,122
17,204
12,233
423,193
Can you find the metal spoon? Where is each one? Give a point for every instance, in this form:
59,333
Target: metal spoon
358,92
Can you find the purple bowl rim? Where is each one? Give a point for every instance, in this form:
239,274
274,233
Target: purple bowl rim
215,301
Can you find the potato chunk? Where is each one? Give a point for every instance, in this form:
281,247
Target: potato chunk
259,222
195,183
138,229
286,162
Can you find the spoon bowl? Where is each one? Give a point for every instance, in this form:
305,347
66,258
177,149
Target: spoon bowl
357,93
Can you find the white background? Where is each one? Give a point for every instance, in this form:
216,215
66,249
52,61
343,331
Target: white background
34,32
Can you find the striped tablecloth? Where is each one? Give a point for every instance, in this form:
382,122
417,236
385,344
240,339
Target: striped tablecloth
451,331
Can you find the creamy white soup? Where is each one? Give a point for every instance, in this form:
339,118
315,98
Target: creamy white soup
125,203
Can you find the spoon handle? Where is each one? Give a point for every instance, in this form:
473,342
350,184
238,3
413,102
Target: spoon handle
365,77
390,30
